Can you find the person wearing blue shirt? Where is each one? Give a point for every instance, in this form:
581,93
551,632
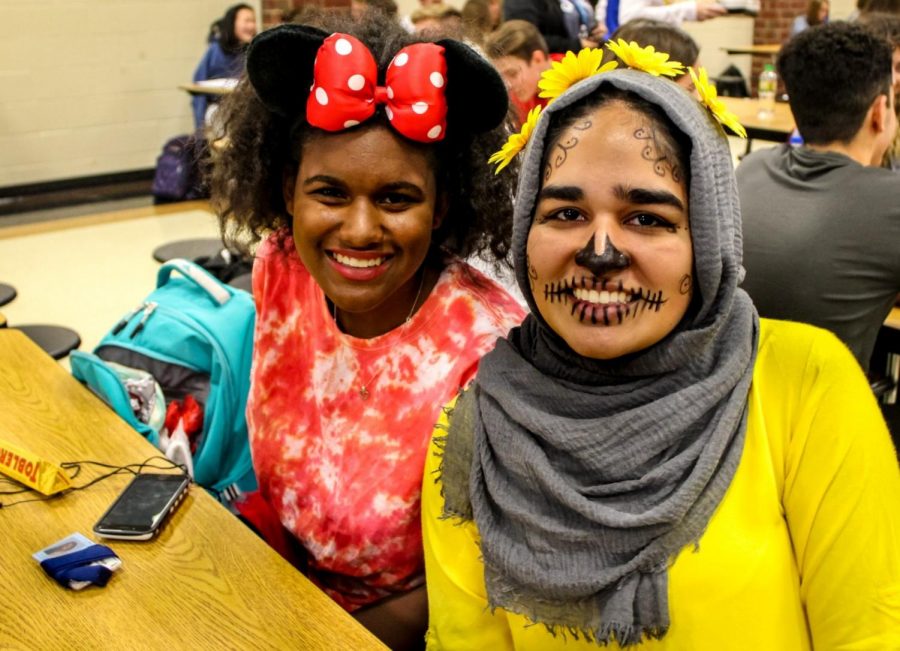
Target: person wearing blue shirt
616,13
816,14
225,55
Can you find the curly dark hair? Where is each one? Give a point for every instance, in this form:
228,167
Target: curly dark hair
247,173
833,73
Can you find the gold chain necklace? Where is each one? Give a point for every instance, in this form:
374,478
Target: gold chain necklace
364,389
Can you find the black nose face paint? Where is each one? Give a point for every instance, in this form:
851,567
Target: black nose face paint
599,264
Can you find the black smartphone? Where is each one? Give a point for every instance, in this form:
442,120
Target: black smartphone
140,509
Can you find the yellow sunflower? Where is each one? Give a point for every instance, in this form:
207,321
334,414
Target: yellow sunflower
516,142
572,69
645,58
710,98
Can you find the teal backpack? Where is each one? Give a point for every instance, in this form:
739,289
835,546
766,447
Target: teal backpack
194,335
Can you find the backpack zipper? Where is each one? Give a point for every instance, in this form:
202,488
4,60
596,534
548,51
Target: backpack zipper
151,307
128,317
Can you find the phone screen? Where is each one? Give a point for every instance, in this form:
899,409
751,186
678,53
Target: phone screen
143,503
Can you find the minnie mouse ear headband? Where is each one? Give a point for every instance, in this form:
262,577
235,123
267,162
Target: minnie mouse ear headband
428,88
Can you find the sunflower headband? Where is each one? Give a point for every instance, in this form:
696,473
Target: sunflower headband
576,67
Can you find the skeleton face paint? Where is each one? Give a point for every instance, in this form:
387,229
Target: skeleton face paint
609,249
609,260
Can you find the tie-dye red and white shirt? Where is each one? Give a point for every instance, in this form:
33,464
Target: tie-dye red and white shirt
344,473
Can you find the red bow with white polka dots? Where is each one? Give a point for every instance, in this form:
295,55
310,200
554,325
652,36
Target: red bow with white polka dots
345,91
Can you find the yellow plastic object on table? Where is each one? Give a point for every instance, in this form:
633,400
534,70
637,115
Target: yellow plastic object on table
29,469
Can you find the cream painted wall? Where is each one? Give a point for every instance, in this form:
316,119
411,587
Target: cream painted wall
90,86
840,9
713,35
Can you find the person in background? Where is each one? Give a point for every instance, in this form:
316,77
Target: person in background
358,8
664,37
645,463
888,27
480,18
366,199
879,7
224,58
519,53
816,14
822,221
406,21
619,12
437,20
565,25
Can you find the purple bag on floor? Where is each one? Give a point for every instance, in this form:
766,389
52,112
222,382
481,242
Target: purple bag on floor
177,175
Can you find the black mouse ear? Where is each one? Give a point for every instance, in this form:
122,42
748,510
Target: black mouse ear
280,66
476,95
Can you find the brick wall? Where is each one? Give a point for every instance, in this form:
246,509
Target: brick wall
773,25
274,10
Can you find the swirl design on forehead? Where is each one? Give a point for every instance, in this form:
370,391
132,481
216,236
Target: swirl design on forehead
658,152
564,147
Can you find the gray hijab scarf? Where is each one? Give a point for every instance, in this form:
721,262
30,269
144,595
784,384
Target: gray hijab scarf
585,477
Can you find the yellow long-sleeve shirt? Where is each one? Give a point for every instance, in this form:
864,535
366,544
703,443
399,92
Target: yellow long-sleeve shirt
802,553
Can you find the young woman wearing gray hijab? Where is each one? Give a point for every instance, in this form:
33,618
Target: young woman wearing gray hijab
645,463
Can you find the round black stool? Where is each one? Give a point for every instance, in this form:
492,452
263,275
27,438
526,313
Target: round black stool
244,281
188,249
7,293
56,341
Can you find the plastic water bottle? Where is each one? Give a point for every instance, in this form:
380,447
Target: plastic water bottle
768,85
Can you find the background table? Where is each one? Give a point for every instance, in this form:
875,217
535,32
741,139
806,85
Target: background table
889,340
206,89
760,49
206,582
777,128
893,320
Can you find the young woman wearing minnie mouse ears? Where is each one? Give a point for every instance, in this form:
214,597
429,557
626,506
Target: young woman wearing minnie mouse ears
357,156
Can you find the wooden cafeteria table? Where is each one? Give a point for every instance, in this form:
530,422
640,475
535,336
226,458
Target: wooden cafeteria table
777,128
762,49
893,320
205,582
206,89
889,338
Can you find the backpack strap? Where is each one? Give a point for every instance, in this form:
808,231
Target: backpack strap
197,275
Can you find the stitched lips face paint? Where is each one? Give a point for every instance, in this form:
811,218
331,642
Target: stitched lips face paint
609,248
602,301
